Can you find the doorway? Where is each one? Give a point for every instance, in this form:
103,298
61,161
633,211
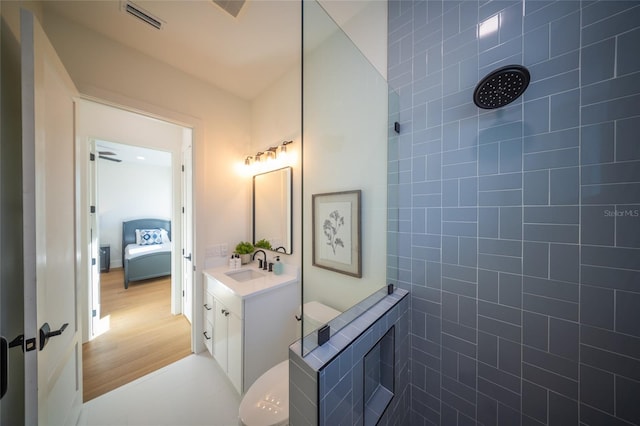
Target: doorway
129,195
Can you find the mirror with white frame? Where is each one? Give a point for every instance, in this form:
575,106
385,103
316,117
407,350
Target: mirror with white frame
272,209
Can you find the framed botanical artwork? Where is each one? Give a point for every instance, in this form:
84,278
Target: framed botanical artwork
336,232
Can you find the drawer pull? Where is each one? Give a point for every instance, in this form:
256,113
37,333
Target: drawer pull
206,336
206,306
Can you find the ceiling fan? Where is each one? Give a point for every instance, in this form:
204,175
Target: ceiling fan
106,155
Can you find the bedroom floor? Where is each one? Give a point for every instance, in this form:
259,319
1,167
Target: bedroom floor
141,334
191,391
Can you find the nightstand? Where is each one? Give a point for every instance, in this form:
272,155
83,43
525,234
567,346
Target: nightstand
105,257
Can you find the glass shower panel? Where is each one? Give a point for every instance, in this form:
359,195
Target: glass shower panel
345,131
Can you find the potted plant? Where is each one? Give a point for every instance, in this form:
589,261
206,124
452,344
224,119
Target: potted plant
244,249
263,244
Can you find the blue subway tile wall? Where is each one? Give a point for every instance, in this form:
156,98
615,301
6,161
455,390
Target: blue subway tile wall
520,235
328,386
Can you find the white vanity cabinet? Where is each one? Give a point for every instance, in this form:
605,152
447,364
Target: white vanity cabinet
251,325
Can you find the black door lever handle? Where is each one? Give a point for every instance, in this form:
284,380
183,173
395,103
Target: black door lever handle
45,333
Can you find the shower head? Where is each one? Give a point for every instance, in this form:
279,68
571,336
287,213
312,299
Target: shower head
501,87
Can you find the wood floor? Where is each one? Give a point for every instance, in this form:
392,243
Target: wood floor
143,337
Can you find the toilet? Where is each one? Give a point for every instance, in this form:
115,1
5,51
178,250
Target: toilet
266,403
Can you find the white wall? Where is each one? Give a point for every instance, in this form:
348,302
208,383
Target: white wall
276,117
130,191
108,71
345,149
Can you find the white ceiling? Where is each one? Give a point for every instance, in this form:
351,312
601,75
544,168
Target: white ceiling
133,154
242,55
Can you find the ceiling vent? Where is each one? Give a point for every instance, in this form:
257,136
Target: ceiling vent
232,7
135,10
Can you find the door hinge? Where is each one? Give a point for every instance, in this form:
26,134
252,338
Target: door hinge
92,156
183,210
92,209
94,313
183,167
93,261
182,293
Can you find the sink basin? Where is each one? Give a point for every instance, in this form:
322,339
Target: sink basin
244,275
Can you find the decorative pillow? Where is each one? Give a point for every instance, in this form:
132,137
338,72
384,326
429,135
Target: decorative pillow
150,236
165,236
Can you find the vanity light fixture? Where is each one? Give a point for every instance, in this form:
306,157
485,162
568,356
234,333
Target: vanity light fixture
278,152
272,153
283,147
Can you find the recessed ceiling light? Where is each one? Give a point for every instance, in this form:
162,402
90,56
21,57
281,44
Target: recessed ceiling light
140,157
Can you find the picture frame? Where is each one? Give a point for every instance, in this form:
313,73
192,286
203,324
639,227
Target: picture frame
336,237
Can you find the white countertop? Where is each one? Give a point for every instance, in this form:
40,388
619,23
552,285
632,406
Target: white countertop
245,289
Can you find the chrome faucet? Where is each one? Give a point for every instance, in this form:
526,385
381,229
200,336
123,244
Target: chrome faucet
263,263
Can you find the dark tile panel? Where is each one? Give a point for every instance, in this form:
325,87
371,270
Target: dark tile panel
535,330
500,247
627,406
551,11
552,307
627,147
499,377
459,345
536,188
569,215
615,109
549,380
500,263
628,171
551,289
617,342
597,307
500,182
627,225
562,410
488,348
564,262
551,159
499,393
598,61
459,331
599,11
458,403
487,410
564,338
611,26
534,401
597,143
611,257
598,225
628,314
499,328
461,390
499,312
607,90
535,259
568,234
610,361
611,278
510,290
555,364
590,416
597,388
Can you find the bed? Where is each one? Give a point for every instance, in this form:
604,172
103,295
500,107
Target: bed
145,254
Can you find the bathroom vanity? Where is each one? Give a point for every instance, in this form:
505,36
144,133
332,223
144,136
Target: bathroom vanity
249,319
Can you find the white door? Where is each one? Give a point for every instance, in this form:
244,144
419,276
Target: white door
187,230
53,370
94,248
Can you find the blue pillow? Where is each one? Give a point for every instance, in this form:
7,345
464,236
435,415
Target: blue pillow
150,236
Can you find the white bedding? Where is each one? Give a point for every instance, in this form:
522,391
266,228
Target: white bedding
134,250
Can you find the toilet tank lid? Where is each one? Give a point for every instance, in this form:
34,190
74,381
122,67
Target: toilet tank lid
320,312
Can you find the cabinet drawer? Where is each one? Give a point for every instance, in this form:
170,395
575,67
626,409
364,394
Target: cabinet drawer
208,307
227,297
